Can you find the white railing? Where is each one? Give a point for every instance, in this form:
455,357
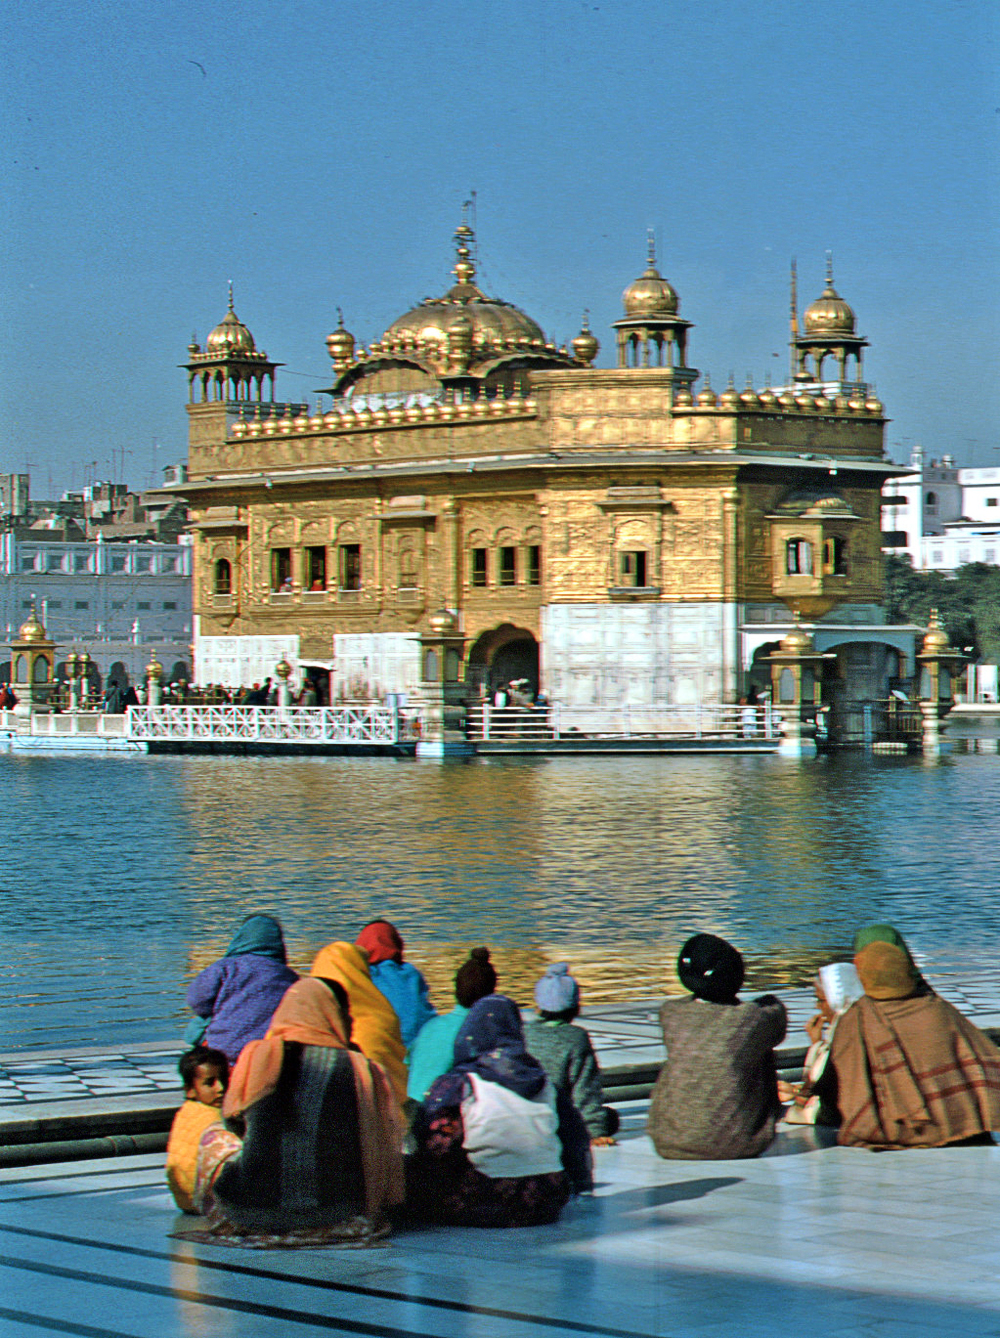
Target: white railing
360,723
50,724
708,721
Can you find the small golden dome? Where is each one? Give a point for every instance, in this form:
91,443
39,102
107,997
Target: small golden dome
585,346
768,398
283,669
748,396
32,629
874,405
730,399
340,344
936,639
829,314
443,623
684,399
797,642
230,335
650,294
708,398
154,669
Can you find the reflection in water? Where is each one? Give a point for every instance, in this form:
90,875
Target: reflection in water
124,876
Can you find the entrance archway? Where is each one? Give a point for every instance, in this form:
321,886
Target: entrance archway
502,655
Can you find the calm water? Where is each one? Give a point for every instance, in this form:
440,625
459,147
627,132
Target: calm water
123,876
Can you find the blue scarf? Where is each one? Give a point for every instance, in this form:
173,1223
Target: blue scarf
261,935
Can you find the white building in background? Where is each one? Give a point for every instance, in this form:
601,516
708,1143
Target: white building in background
117,601
943,516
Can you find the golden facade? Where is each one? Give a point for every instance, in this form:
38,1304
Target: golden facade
607,533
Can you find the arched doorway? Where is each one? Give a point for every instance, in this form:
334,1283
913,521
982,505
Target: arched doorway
503,655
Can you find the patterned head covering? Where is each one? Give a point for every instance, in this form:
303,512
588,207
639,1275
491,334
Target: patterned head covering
710,968
261,935
381,941
491,1045
840,984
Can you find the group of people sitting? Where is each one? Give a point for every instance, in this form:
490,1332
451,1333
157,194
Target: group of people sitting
327,1108
303,1095
891,1064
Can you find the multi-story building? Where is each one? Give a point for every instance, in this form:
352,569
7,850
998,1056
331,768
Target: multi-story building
606,533
114,600
942,516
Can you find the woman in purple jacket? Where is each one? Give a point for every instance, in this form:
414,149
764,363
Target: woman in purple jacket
238,995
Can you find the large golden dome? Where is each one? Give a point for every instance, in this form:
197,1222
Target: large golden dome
230,335
492,320
650,295
32,629
829,314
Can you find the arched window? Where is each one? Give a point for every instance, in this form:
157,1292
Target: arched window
931,501
798,557
834,556
407,570
223,577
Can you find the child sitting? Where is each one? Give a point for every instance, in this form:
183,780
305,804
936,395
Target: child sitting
566,1054
205,1075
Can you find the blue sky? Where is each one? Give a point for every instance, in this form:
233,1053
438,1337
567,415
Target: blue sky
318,153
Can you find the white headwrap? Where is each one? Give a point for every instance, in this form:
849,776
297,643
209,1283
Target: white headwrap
840,985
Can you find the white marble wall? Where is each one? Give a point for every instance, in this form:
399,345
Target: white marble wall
638,654
368,665
241,661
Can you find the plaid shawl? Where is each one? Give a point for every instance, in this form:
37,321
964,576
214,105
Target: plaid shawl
913,1073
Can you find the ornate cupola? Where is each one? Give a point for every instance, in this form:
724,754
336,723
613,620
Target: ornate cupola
230,369
651,333
828,330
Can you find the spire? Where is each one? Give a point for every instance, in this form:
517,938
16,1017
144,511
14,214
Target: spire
829,269
651,248
231,309
465,269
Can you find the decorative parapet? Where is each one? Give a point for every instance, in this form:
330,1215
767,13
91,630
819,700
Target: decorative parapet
411,414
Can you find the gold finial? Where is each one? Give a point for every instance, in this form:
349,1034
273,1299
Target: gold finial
232,311
651,248
829,269
936,638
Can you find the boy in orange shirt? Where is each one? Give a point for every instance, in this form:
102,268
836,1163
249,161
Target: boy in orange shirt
205,1075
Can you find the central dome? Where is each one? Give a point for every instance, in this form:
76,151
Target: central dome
491,319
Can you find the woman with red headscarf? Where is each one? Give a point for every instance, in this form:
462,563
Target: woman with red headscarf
401,983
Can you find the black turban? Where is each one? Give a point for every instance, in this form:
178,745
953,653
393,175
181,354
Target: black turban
710,968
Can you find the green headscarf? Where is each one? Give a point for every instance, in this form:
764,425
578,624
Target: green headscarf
261,935
880,934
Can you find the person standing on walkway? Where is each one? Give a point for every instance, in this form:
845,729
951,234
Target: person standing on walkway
717,1094
235,998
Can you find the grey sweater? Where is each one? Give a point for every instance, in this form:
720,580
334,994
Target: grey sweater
567,1056
717,1094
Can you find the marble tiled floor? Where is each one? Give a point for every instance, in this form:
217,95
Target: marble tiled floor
622,1034
820,1241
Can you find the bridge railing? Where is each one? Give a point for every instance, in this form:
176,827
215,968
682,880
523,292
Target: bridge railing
352,723
488,723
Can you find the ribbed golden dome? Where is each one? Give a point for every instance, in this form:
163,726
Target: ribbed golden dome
730,399
797,642
936,638
154,669
443,623
230,335
340,344
829,314
585,346
32,629
708,399
491,319
651,294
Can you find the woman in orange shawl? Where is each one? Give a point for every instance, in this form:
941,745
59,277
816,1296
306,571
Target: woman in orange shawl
907,1069
320,1160
375,1030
